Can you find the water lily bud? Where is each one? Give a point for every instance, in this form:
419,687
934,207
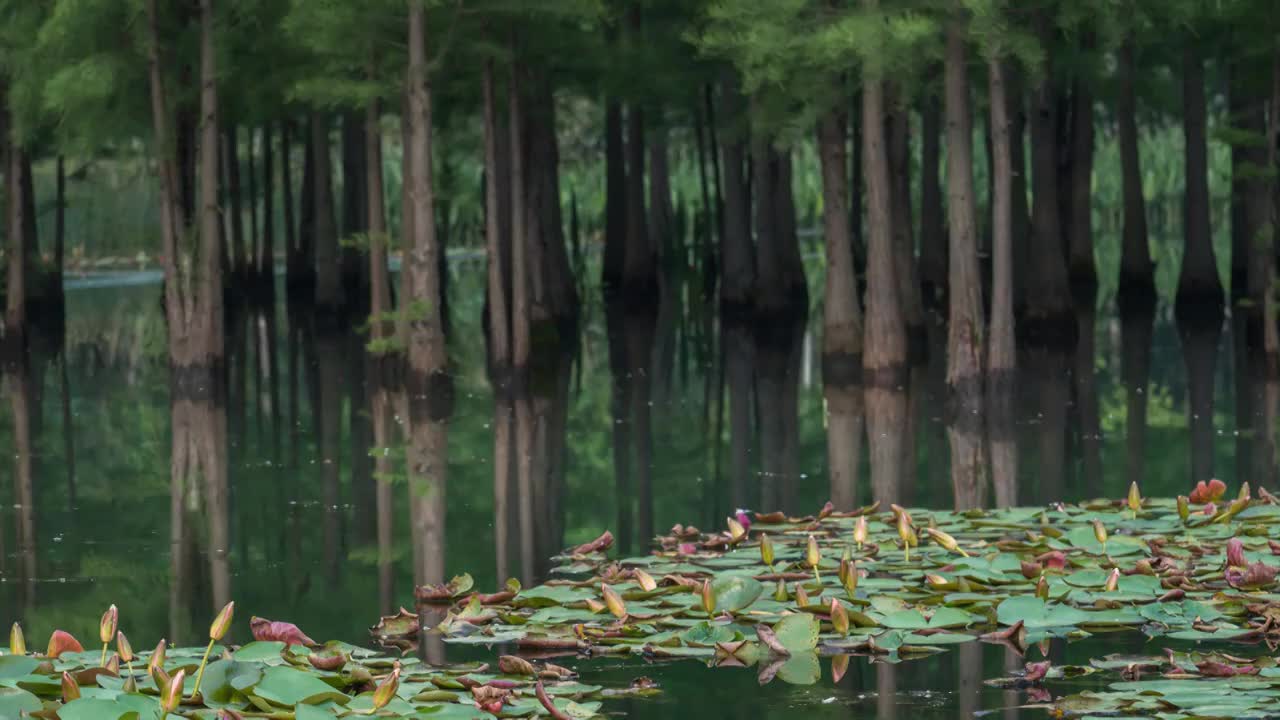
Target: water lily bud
860,530
613,601
766,550
171,692
900,512
70,688
124,648
159,677
1135,499
1113,581
222,623
1042,589
1099,531
812,556
708,597
736,531
113,664
647,583
1235,553
802,596
17,641
839,666
107,626
937,582
839,618
850,579
780,592
1244,492
1184,508
946,541
386,690
157,659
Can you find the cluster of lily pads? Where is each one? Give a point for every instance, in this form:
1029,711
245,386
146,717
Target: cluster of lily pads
777,592
283,674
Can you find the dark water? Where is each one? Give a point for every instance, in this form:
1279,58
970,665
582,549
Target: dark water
654,419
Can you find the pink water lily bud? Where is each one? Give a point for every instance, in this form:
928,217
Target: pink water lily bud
124,648
839,618
156,662
743,518
171,692
70,688
107,626
1235,553
222,623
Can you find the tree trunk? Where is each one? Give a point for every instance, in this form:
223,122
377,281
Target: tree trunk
1001,346
884,353
379,275
737,255
254,262
499,317
15,319
1199,288
661,213
430,390
1137,273
639,271
235,221
904,243
708,230
1049,304
329,291
521,270
1083,276
291,256
965,318
558,292
307,222
1017,112
59,225
354,205
267,258
615,224
933,238
842,320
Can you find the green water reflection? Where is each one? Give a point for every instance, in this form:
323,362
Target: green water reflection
656,419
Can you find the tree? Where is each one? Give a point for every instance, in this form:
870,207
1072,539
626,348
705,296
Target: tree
965,336
430,394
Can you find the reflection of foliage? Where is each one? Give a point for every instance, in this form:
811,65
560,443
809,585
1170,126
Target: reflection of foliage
117,533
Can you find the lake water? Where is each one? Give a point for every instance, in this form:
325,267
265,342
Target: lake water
654,394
